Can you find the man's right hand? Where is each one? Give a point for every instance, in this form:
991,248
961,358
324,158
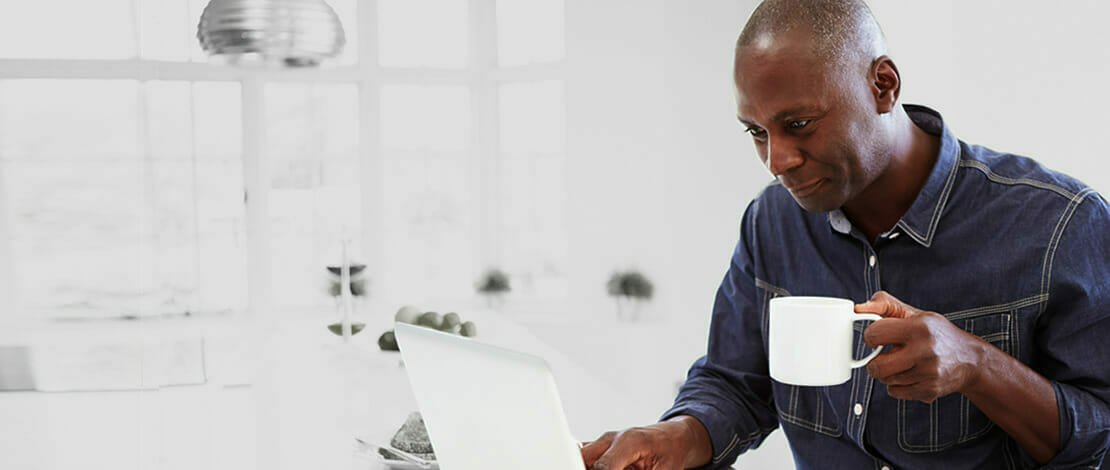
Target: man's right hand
678,443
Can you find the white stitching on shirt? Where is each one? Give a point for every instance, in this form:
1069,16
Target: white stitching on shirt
866,277
821,411
850,415
943,197
1054,243
942,201
938,446
735,442
967,433
997,178
809,425
913,234
764,320
867,403
989,309
731,445
768,286
794,402
965,415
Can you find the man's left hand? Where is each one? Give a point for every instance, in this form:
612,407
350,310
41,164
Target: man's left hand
929,356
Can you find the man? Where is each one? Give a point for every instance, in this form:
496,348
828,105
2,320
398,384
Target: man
992,273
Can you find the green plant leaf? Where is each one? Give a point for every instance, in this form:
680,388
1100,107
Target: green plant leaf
630,284
494,281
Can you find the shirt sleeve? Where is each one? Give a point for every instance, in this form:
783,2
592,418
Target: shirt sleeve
729,389
1072,334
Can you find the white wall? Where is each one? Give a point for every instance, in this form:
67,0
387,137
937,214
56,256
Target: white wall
615,169
1013,75
1017,76
650,105
1031,81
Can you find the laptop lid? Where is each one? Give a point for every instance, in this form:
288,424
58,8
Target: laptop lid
486,407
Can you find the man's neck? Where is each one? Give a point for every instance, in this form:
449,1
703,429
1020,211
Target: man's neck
879,207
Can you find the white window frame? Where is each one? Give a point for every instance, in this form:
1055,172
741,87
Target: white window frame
482,76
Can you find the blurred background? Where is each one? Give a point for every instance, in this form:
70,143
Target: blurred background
167,218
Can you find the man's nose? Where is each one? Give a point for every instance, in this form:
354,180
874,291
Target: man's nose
782,157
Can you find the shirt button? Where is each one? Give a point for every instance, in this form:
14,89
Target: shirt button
872,261
858,410
885,467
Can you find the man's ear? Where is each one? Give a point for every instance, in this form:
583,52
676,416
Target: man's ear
886,84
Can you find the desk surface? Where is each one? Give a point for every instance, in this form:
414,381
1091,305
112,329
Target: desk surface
301,399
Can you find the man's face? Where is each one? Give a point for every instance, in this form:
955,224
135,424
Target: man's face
814,126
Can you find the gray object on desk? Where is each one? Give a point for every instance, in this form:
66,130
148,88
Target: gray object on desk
15,369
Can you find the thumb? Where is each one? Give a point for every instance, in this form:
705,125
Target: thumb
885,305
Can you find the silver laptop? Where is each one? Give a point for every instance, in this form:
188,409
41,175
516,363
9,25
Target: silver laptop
486,407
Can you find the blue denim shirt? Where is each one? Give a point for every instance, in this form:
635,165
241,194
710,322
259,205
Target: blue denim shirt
1003,247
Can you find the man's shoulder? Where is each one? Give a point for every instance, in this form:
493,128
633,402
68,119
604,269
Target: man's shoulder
1020,174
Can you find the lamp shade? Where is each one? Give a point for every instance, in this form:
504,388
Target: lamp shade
292,33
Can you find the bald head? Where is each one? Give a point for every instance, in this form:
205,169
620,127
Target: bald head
840,32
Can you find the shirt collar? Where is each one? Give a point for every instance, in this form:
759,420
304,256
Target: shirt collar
920,221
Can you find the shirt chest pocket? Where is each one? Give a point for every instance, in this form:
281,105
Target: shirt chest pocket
953,419
805,407
808,408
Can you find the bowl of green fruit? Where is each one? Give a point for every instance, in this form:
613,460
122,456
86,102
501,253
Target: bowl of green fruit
449,322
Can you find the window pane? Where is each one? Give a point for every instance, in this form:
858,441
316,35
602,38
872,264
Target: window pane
530,32
167,30
196,9
532,224
532,117
318,122
197,197
77,237
312,144
67,29
423,33
169,105
532,187
430,196
102,229
426,118
430,227
66,118
217,121
72,181
348,16
220,234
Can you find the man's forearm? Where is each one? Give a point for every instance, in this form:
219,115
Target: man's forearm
1019,400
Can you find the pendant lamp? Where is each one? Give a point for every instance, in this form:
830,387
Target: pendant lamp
289,33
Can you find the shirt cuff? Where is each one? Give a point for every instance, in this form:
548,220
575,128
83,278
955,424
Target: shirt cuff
727,444
1084,430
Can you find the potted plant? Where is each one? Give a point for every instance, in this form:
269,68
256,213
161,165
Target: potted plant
493,285
630,289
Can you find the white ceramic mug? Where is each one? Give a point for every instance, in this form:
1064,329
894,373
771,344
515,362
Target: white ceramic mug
811,340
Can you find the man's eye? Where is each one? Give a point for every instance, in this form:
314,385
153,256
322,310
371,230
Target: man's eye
798,124
756,132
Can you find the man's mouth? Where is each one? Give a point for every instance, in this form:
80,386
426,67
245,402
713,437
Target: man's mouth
806,189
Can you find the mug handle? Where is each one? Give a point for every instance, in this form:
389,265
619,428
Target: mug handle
866,317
